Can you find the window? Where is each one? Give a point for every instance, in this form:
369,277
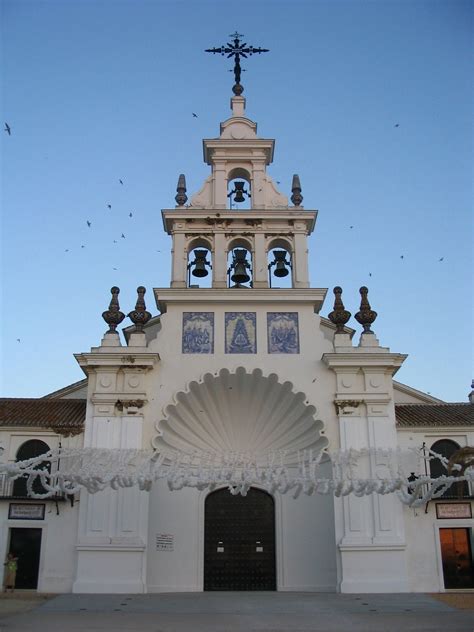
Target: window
446,448
29,450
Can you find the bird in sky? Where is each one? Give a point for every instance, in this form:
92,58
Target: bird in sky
109,205
370,273
67,250
130,214
8,129
401,257
18,340
397,125
115,241
351,226
442,259
120,181
82,246
123,236
278,182
114,268
89,223
195,115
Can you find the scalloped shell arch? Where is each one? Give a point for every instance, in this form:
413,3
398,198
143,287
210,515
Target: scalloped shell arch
239,412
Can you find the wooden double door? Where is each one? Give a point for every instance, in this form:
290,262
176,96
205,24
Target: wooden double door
457,555
239,541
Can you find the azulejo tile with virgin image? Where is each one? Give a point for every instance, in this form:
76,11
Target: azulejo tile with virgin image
198,332
240,332
282,332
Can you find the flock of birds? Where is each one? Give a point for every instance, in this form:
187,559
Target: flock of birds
8,131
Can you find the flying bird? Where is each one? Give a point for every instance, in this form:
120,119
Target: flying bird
8,129
67,250
442,259
115,241
114,268
195,115
130,214
401,256
82,246
123,236
109,205
18,340
89,223
397,125
351,226
370,273
120,181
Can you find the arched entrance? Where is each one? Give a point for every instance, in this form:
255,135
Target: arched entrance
239,541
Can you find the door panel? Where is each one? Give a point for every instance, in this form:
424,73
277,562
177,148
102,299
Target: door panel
456,552
25,544
239,545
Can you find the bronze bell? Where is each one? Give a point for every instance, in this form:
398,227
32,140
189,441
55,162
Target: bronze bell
239,192
200,263
280,263
240,266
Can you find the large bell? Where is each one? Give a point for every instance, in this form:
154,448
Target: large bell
280,263
239,266
199,263
239,192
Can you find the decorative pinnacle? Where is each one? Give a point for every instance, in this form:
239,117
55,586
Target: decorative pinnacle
296,198
113,316
139,316
365,316
181,197
339,316
237,50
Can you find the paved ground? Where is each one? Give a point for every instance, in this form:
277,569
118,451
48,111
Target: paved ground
236,612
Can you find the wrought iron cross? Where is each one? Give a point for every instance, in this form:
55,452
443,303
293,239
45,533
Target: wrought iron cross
237,50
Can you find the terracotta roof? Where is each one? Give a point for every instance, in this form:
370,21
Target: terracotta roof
434,415
62,415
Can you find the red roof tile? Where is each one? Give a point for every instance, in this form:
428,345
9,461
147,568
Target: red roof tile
434,415
59,414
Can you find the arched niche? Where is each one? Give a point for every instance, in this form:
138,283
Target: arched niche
239,179
235,260
200,261
279,261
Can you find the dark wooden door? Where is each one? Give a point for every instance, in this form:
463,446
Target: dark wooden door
456,552
25,544
239,541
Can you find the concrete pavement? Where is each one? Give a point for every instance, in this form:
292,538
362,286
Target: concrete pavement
241,612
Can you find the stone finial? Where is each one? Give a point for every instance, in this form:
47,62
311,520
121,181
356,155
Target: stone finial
113,316
181,197
471,394
139,316
365,316
296,197
339,316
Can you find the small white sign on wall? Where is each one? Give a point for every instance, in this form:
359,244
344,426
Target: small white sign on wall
26,511
164,542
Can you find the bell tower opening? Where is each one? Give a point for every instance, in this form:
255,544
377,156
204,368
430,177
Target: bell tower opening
239,189
280,266
199,265
239,264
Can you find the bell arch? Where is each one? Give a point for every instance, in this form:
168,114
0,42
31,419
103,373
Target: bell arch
200,262
280,262
240,262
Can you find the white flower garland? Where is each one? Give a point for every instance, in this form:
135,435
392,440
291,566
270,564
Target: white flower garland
358,472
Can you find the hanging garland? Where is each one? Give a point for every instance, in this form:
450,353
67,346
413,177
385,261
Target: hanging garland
359,472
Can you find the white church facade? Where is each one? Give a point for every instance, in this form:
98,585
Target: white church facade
239,360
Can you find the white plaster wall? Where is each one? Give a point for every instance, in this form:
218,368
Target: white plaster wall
425,570
305,542
305,370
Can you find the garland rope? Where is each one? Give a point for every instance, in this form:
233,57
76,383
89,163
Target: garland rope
359,472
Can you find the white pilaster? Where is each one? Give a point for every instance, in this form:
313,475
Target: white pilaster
372,540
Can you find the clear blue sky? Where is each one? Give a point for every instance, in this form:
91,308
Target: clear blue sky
100,90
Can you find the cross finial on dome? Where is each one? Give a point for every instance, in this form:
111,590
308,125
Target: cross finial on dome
237,49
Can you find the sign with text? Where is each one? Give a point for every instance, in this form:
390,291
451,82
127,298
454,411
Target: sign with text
453,510
165,542
26,511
